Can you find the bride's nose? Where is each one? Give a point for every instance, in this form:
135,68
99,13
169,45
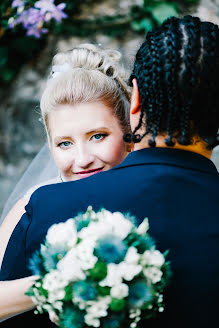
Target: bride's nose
84,157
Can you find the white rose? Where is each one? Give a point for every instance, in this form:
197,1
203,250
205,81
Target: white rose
53,281
94,230
56,295
153,257
48,308
154,274
84,252
113,276
128,271
38,299
91,321
120,225
119,291
134,313
70,267
58,305
143,227
132,256
62,233
98,308
109,223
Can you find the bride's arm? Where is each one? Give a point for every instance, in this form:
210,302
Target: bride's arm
12,293
9,224
13,300
15,214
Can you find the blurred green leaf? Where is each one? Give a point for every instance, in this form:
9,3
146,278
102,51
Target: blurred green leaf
136,25
21,44
147,24
3,56
163,10
191,2
7,74
144,24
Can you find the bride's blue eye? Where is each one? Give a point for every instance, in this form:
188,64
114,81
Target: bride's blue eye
99,136
64,144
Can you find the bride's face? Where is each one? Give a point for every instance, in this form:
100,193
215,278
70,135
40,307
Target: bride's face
85,139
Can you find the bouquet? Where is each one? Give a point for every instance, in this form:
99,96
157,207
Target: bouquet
99,269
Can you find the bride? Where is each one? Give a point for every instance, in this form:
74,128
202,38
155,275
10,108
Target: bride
85,109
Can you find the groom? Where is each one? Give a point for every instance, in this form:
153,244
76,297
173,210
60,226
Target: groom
169,177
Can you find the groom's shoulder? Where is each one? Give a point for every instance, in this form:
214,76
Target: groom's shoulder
49,200
71,186
45,189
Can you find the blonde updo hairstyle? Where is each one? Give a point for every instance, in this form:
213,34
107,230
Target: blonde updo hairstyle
88,74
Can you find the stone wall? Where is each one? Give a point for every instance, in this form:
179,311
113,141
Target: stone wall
21,133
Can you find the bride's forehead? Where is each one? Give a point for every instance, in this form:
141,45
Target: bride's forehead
82,109
81,117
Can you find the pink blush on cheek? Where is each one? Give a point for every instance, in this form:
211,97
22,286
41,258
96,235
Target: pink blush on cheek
115,153
63,161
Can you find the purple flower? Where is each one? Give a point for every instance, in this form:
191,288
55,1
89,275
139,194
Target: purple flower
29,17
59,14
32,21
48,7
36,31
33,18
45,6
17,3
22,18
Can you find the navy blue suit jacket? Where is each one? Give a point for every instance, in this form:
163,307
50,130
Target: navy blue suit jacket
177,190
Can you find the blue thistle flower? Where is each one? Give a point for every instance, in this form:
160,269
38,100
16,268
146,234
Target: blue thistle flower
111,249
51,256
36,264
71,317
114,320
131,218
142,243
81,221
139,294
84,290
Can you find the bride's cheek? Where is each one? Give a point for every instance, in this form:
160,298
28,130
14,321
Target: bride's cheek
119,146
114,152
63,160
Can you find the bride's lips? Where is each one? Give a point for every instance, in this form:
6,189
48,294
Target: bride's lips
88,173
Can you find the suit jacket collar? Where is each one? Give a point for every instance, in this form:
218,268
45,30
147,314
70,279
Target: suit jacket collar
168,156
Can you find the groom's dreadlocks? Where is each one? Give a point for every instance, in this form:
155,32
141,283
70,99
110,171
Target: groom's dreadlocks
177,70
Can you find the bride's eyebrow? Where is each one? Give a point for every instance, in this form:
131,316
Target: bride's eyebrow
102,128
60,138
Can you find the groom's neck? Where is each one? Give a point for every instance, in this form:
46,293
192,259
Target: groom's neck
198,145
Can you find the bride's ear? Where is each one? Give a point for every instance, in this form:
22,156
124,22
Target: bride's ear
135,98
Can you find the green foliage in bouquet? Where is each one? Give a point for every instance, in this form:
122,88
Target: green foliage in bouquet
22,37
99,269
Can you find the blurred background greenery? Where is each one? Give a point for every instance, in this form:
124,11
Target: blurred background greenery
16,48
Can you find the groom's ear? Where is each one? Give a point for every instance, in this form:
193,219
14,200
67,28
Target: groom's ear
135,98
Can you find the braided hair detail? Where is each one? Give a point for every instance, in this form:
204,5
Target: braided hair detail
177,69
